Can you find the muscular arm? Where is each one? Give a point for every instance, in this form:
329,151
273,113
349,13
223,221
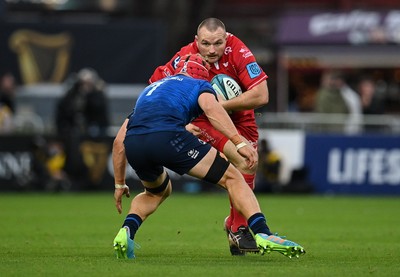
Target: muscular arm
119,163
118,155
217,116
221,121
252,99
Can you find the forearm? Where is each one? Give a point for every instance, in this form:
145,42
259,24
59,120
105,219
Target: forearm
118,155
248,100
219,118
119,164
223,123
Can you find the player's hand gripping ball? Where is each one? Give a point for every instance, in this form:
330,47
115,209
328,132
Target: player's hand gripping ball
226,86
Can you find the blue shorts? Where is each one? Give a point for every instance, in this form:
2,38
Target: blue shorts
178,151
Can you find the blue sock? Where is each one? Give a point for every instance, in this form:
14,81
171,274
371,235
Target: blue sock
258,224
133,222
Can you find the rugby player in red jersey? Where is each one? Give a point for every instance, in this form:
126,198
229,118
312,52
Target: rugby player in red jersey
227,54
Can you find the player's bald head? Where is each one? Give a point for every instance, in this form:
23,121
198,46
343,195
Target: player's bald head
211,24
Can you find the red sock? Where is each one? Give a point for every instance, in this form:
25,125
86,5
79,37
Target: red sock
229,219
237,218
249,178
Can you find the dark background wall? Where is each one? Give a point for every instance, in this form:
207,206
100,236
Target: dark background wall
121,52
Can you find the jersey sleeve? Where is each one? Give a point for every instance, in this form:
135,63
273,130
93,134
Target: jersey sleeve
249,72
161,72
206,87
168,69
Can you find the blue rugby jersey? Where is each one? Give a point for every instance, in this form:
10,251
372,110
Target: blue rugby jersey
168,105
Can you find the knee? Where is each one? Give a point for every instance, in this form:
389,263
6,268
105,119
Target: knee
237,160
243,167
162,191
168,190
231,177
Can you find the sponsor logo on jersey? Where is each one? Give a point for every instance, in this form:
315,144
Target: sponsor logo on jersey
245,52
207,137
253,69
193,153
176,61
228,50
167,73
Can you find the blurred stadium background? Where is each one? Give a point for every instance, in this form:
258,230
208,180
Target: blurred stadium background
44,43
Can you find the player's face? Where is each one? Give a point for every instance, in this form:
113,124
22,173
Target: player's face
211,44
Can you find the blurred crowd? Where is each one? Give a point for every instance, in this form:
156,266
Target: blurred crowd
337,92
72,155
82,120
83,109
7,102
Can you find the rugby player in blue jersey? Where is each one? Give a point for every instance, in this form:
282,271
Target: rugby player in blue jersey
154,137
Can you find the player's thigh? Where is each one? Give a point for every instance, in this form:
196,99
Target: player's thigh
201,169
210,135
215,169
224,145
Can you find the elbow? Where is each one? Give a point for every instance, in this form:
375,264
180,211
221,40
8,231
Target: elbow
262,94
266,95
265,99
117,141
118,145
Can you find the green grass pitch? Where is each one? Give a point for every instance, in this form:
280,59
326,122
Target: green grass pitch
71,235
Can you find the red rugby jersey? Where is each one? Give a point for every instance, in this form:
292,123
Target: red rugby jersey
237,61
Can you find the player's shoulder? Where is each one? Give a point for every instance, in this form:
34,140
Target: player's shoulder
188,80
237,51
232,40
190,48
204,85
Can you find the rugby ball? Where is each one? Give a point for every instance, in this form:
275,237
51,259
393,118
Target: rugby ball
226,86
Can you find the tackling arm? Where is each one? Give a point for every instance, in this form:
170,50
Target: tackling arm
119,163
118,155
221,121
